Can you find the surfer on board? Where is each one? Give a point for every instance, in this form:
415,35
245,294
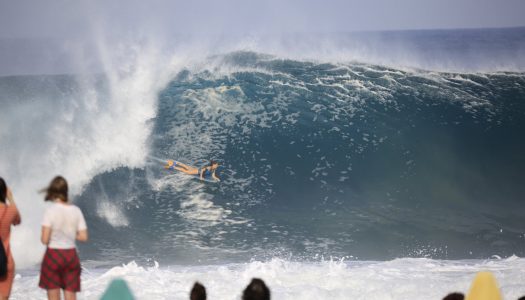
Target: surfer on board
206,171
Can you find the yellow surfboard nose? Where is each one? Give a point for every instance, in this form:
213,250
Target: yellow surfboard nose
169,164
484,287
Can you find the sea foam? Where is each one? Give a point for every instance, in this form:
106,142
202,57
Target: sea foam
404,278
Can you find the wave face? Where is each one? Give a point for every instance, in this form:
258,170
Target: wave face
344,160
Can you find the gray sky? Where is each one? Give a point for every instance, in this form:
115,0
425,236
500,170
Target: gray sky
55,36
68,18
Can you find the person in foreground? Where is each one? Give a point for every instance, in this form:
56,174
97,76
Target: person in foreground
203,172
63,224
256,290
8,216
198,292
454,296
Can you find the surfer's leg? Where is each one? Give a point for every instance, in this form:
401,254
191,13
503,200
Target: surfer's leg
177,166
189,170
184,170
181,165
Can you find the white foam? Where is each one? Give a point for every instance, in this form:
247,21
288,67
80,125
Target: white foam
112,214
83,133
199,207
398,279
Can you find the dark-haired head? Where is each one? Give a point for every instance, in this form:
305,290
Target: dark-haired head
256,290
3,190
213,162
57,189
198,292
454,296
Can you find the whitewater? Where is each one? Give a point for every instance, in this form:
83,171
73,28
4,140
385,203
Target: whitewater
375,166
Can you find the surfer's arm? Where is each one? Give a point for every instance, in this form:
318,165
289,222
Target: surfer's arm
201,174
215,176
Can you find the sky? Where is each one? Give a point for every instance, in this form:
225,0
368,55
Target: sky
54,36
68,18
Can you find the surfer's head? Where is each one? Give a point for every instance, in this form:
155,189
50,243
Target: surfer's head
213,164
3,190
57,189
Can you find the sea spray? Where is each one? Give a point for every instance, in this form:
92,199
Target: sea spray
77,126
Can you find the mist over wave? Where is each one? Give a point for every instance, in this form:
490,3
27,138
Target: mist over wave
78,125
460,50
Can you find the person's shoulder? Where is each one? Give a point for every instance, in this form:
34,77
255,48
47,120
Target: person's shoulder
51,210
51,207
75,208
12,208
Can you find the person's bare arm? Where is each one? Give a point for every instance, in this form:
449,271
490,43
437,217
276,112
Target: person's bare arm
11,202
82,235
46,235
215,176
10,197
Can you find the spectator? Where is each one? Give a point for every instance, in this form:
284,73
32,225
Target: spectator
63,224
8,216
256,290
198,292
454,296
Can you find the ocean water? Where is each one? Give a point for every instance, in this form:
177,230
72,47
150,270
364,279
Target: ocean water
342,177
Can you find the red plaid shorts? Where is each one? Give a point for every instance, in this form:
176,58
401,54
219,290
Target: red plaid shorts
60,270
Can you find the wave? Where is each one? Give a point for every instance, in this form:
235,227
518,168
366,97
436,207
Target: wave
331,158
